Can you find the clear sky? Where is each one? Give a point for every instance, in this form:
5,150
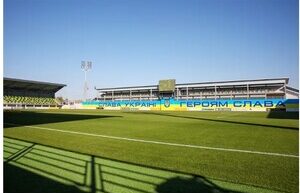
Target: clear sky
138,42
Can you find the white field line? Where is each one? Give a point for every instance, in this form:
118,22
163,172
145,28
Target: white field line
161,143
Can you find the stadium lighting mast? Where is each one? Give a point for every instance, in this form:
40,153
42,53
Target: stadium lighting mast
85,66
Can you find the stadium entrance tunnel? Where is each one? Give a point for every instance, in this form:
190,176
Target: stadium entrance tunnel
36,168
23,118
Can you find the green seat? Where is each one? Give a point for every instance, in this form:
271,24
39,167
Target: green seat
7,99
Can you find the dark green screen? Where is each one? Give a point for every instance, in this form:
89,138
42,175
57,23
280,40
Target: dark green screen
167,85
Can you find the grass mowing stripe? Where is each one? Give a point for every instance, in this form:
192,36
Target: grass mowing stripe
161,143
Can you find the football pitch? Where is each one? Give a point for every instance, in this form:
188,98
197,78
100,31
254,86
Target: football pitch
150,152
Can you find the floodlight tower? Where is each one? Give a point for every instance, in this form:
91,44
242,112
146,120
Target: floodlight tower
85,66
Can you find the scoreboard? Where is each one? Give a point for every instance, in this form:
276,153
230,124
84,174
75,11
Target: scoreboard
166,85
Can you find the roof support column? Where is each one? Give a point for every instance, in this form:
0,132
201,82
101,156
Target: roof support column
215,92
112,95
284,90
151,94
187,92
200,94
248,94
130,95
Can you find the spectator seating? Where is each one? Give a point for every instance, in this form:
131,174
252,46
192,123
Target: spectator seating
29,100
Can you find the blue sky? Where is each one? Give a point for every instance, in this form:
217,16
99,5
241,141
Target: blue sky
138,42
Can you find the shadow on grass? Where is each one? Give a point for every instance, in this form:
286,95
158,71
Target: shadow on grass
18,180
283,115
35,168
35,118
192,185
219,120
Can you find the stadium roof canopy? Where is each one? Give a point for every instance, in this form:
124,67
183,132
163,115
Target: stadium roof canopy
207,84
13,83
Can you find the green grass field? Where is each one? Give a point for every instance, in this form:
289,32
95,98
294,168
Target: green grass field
145,152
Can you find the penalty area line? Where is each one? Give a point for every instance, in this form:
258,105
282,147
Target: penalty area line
160,142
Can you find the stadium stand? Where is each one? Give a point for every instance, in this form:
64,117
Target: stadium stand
239,89
29,94
30,100
239,95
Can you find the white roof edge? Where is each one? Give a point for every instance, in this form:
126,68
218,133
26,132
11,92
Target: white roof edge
286,80
127,89
231,83
203,84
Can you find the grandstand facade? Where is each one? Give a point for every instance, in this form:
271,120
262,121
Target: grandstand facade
243,89
20,93
185,96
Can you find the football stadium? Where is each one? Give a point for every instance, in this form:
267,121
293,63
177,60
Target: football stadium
227,136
